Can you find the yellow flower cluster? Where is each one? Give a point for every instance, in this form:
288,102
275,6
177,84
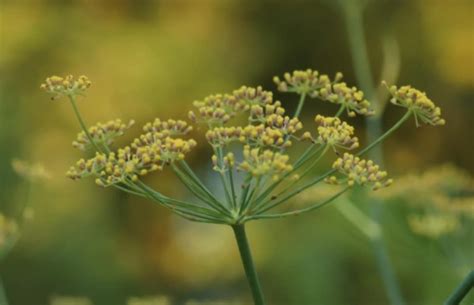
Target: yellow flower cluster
333,132
102,133
218,109
30,171
168,128
228,162
150,152
433,226
350,97
8,229
359,171
320,86
304,82
61,86
253,96
260,162
417,101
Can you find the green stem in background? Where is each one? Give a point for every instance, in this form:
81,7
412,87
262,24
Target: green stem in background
3,296
300,105
353,15
72,99
247,261
365,224
462,290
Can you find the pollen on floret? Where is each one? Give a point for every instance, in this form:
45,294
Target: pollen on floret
418,103
359,171
336,133
66,86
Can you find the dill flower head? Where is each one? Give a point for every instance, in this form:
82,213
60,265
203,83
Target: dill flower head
148,153
304,81
8,229
321,86
102,133
216,109
253,96
359,171
259,162
332,131
350,97
168,128
416,101
223,136
66,86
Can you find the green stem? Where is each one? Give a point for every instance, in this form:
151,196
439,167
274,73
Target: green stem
462,290
72,99
387,133
3,295
300,211
300,105
247,261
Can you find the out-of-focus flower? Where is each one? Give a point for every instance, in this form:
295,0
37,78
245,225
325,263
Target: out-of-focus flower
416,101
158,300
66,86
8,230
444,188
442,200
32,172
102,134
359,171
432,225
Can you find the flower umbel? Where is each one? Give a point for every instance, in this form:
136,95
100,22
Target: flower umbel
332,131
66,86
102,133
253,182
320,86
417,102
264,162
359,171
305,82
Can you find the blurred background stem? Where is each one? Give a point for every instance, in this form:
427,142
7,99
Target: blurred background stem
353,16
247,261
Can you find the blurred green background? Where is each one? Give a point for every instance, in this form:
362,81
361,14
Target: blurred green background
150,58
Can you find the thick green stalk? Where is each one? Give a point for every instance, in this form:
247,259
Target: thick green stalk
462,290
353,14
247,261
3,296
